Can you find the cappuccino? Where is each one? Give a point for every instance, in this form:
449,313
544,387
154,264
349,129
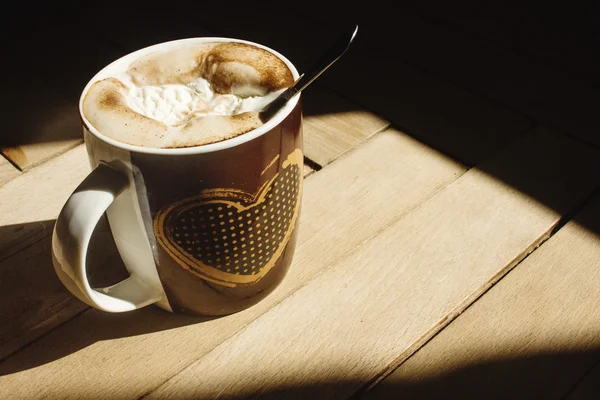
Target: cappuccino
186,96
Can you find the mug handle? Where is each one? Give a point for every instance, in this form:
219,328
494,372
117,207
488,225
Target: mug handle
71,237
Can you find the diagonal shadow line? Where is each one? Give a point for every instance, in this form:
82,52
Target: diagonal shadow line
29,275
504,378
429,336
106,271
175,324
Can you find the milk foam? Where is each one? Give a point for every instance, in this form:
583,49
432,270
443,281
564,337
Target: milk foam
186,96
177,104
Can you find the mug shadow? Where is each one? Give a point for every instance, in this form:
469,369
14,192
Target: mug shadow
33,302
94,326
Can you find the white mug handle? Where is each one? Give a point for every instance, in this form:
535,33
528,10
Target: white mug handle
72,233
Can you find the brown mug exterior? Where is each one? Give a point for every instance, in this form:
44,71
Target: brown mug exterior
236,188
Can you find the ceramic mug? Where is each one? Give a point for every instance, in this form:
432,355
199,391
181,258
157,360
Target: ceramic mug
207,230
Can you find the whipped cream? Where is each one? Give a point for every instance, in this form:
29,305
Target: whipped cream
176,104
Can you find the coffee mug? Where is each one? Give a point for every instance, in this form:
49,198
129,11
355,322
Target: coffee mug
207,230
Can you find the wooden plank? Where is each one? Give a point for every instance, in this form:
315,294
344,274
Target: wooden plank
29,155
32,299
7,171
35,198
334,125
29,310
307,170
533,335
326,137
48,126
355,319
343,205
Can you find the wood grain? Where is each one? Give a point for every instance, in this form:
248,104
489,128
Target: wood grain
33,199
326,138
32,299
31,307
7,171
29,155
344,204
362,314
533,335
49,126
334,125
307,170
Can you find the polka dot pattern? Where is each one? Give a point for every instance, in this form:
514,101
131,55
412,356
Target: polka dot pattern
238,240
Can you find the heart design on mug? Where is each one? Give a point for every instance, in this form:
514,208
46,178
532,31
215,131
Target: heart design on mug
229,236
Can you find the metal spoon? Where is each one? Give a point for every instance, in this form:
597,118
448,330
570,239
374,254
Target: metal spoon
332,55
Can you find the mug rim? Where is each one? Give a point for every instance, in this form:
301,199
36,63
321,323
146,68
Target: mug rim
206,148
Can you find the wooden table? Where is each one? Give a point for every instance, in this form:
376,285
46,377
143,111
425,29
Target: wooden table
448,241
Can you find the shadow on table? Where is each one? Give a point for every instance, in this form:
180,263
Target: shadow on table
33,301
546,375
32,297
93,326
39,293
541,376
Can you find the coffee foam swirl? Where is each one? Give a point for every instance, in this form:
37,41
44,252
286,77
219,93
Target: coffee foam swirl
231,68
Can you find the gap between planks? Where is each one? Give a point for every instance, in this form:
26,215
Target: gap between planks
534,334
427,338
344,204
7,170
338,331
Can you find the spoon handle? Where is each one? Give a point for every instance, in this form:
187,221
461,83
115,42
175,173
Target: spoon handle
338,49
